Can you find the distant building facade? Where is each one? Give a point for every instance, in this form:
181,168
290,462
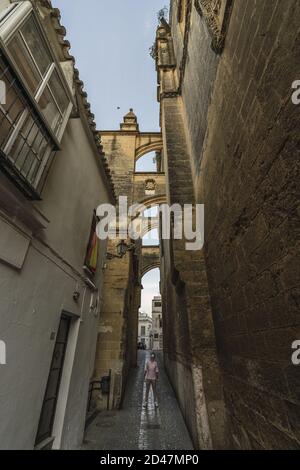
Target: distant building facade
157,324
145,329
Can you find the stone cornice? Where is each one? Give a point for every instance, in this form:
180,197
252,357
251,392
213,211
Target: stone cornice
170,94
118,131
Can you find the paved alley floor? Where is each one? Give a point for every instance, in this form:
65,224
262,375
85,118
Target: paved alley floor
133,427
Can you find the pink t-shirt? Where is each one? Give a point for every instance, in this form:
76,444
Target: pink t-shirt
151,368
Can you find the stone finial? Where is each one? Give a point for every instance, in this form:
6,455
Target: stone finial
130,122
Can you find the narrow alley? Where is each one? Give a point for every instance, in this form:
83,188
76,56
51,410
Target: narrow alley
149,205
136,428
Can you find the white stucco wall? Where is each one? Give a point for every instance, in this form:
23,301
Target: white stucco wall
145,322
73,189
33,298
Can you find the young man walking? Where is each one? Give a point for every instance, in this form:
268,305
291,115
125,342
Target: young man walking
151,378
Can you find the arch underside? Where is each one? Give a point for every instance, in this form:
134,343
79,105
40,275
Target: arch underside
149,202
146,269
150,258
147,148
149,224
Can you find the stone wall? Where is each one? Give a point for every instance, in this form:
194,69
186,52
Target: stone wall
200,68
189,338
150,258
243,130
114,353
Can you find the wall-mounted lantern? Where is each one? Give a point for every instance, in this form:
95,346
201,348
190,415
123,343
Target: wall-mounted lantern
76,296
122,249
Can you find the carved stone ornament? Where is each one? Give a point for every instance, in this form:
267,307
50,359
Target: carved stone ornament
216,13
150,187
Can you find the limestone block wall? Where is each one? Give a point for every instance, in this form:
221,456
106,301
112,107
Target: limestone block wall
200,68
117,326
150,258
190,347
246,172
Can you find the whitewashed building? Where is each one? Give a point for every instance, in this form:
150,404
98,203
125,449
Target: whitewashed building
157,324
53,175
145,329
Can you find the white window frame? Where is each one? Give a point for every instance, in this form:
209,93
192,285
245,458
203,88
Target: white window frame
14,18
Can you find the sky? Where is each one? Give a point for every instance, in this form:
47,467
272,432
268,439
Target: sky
110,41
146,163
150,283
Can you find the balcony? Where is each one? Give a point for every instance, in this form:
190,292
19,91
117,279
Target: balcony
26,147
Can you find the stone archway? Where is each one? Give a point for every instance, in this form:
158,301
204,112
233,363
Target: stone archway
150,259
117,338
151,142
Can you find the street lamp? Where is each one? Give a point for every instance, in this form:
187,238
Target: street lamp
122,249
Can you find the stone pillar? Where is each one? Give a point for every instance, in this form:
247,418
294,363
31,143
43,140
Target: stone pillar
112,327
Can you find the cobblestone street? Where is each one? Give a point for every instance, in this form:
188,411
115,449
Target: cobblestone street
136,428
